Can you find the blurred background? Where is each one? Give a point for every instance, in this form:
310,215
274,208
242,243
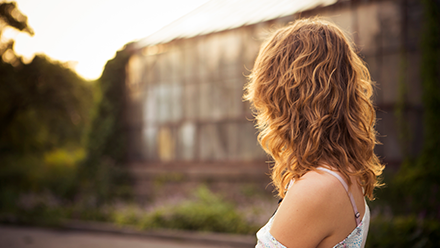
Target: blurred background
132,114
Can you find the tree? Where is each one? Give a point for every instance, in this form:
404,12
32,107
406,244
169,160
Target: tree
103,169
11,17
44,107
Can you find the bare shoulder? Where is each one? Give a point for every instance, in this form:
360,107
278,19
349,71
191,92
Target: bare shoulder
305,216
316,182
313,190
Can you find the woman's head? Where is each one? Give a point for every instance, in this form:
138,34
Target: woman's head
311,94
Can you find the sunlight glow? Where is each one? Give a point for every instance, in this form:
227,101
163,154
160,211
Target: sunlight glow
90,32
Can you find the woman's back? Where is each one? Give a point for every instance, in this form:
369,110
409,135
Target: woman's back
317,212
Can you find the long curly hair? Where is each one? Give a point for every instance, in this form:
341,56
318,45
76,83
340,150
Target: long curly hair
311,96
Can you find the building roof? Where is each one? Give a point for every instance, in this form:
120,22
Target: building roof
219,15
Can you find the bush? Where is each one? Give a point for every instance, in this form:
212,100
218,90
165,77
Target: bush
60,171
41,209
207,212
400,232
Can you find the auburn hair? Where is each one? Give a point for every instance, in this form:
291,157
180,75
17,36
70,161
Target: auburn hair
311,96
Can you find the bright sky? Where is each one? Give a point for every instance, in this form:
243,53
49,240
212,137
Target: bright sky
90,32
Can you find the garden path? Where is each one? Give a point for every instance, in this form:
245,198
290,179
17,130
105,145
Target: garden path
33,237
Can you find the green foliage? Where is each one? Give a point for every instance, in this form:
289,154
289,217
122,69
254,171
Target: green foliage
60,171
44,112
103,172
54,171
44,105
403,232
30,208
207,212
413,190
418,178
401,106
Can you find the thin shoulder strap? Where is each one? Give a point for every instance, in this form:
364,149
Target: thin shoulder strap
353,203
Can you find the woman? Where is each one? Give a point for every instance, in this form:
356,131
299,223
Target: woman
311,94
